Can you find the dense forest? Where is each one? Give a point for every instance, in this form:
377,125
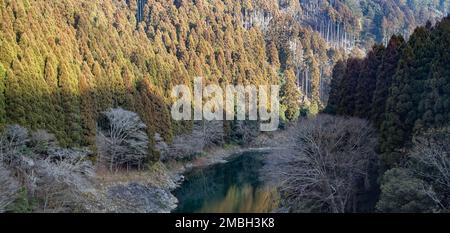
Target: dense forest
62,65
86,85
404,91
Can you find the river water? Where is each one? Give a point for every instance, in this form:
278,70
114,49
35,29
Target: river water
232,187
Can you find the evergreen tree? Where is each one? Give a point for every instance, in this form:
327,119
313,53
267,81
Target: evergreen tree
406,92
15,98
336,87
367,82
385,72
273,55
316,76
2,96
88,110
347,103
291,96
435,104
70,105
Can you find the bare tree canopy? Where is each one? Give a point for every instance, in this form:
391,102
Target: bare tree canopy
8,188
122,139
62,178
329,158
204,134
431,154
34,162
12,143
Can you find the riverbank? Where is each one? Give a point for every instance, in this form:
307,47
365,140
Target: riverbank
150,191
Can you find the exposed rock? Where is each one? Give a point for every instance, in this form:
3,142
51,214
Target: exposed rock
138,198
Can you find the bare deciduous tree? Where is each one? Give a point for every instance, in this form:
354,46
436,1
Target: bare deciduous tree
12,142
246,131
430,161
204,134
185,146
329,157
62,178
8,188
161,146
210,132
122,139
41,141
34,161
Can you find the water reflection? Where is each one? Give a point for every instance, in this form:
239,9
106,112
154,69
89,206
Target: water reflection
232,187
243,200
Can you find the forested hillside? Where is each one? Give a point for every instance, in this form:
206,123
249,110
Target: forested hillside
404,91
85,89
62,65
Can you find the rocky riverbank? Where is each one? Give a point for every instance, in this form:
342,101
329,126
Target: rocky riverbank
150,191
147,191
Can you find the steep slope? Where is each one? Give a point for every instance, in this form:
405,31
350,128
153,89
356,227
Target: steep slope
63,62
412,91
333,29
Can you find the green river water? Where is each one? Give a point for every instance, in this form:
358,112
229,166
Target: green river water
232,187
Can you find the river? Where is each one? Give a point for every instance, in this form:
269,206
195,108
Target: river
232,187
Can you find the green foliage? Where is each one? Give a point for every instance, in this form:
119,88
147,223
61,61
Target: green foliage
406,91
313,109
367,82
411,93
23,203
434,105
421,183
385,72
334,98
402,192
2,96
62,66
349,84
291,96
315,82
273,55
